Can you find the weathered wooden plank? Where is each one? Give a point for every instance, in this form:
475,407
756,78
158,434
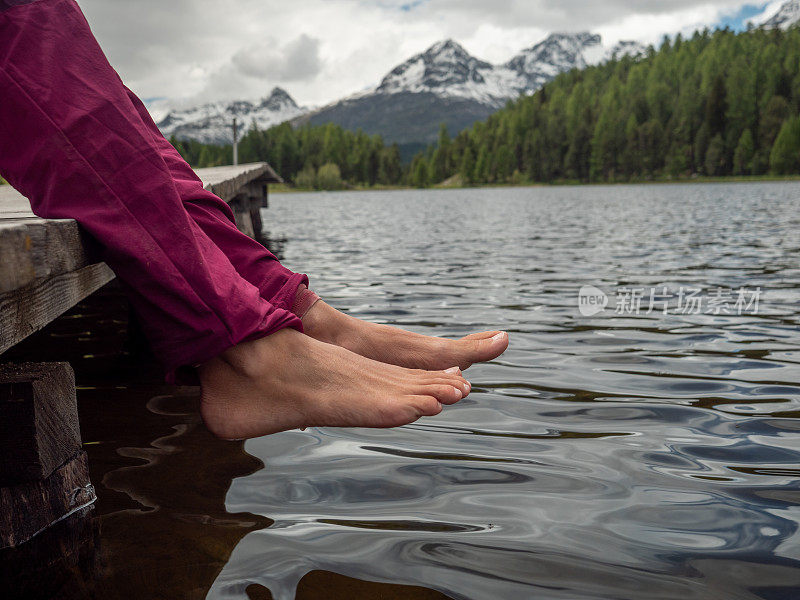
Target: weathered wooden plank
39,428
46,265
228,182
31,507
28,309
32,248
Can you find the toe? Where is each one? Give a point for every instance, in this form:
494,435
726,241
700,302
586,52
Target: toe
444,393
460,383
427,406
487,348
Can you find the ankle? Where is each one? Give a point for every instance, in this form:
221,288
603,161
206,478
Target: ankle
326,324
249,359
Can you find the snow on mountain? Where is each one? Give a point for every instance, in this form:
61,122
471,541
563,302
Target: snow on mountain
445,83
212,123
445,64
788,14
446,69
557,53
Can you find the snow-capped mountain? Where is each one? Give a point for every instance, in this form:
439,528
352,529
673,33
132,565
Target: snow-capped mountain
446,69
443,65
558,53
788,14
212,123
446,84
443,84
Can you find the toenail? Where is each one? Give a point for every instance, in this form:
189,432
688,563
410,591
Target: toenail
499,336
452,370
458,393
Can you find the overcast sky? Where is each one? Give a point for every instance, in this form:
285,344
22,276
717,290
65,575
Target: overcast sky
322,50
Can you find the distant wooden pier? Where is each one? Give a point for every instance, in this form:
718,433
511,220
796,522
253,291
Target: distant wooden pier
47,266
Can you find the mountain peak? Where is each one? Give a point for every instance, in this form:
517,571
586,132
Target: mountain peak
446,47
211,123
788,14
445,64
557,53
625,48
444,44
442,83
278,99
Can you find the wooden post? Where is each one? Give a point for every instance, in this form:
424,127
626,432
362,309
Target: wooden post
241,212
255,217
43,471
235,143
257,192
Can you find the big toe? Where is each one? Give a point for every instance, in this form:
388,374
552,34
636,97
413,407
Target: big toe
486,346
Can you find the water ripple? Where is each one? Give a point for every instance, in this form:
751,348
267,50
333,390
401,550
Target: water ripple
619,456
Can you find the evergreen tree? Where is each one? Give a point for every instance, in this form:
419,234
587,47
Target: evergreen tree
785,156
717,106
743,157
419,172
715,156
715,103
467,170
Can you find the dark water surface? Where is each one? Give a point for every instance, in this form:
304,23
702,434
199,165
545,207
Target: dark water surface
641,456
636,456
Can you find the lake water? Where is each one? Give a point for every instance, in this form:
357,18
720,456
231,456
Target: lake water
649,451
630,454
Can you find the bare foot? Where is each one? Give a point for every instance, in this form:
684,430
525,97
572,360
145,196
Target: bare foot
289,380
398,347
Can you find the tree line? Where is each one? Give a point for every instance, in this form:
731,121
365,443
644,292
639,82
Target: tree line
716,104
719,103
322,157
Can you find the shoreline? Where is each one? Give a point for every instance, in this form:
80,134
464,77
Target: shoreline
288,189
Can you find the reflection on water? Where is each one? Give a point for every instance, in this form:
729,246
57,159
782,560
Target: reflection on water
649,456
612,457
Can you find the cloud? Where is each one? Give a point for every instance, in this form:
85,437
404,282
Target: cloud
326,49
296,61
769,11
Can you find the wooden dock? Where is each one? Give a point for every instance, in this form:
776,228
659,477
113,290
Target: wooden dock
46,267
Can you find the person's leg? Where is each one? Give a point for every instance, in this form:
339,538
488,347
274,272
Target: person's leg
260,267
72,142
277,284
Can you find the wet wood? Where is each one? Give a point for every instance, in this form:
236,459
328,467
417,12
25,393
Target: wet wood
29,508
43,471
39,429
60,562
